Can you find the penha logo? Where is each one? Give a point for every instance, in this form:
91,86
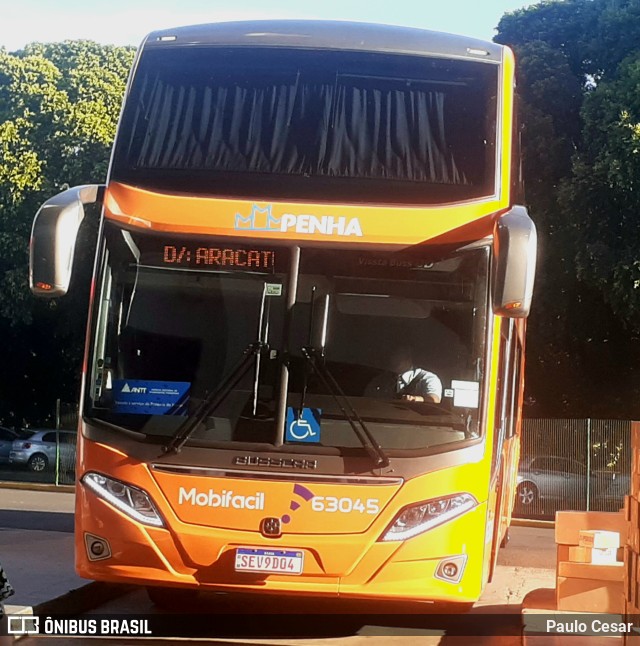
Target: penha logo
261,219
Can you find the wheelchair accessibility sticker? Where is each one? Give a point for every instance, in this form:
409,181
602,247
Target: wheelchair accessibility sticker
303,425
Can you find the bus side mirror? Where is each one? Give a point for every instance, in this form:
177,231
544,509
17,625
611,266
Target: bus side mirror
515,246
53,239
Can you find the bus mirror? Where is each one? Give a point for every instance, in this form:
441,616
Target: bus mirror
53,239
515,245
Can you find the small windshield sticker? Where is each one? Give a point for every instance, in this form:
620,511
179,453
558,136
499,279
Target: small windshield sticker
466,394
448,392
303,425
273,289
142,397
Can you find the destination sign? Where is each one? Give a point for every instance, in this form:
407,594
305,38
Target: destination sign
214,257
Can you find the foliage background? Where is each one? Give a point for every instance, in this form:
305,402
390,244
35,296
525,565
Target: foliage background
59,106
579,86
579,83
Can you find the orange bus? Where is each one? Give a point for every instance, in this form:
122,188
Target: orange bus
304,357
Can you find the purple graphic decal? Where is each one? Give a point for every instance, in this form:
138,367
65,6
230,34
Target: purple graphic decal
304,493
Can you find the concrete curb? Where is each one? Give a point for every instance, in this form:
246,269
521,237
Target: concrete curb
530,522
37,486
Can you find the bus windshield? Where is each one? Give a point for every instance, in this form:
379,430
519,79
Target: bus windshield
283,123
176,315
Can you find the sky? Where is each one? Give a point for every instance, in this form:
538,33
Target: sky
126,22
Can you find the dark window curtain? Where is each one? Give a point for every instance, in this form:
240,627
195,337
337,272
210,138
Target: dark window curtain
344,129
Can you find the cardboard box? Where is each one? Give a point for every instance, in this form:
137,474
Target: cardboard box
630,580
635,459
562,553
632,610
635,440
567,553
589,595
634,523
599,538
594,555
635,434
633,617
588,571
569,524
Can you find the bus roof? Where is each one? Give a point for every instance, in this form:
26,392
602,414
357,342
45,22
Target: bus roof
327,34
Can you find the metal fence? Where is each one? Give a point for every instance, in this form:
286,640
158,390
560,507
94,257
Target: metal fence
579,464
66,416
66,420
65,469
42,454
582,464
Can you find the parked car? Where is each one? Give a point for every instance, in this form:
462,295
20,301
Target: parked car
39,449
546,484
7,438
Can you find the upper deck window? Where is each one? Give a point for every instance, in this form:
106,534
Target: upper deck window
319,125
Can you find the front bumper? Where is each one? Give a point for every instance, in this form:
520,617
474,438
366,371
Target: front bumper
349,565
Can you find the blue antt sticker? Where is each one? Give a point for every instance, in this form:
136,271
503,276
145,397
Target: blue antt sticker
303,425
142,397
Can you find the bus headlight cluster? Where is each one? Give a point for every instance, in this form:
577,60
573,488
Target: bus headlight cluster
423,516
132,501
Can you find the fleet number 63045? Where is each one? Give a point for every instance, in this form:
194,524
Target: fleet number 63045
345,505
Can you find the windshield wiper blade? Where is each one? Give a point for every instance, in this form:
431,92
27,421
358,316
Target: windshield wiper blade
365,436
215,397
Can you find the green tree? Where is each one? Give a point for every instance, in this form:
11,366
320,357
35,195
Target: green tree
602,197
59,105
577,73
566,27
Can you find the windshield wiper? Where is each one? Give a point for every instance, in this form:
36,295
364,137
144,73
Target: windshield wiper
365,436
215,397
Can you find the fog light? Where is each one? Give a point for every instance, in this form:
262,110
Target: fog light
448,569
97,548
451,568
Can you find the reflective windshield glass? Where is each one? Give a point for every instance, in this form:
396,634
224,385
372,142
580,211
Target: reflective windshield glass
338,125
174,320
401,335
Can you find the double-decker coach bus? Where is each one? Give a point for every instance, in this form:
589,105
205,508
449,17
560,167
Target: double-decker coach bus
304,358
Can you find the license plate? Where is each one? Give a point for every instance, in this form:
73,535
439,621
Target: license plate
249,559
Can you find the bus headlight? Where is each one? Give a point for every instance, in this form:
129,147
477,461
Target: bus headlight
132,501
423,516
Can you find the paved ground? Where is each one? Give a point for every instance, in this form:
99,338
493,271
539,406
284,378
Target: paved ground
36,545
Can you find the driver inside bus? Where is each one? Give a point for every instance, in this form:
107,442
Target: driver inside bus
415,384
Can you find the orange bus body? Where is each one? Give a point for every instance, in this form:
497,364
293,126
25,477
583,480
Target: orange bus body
333,521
